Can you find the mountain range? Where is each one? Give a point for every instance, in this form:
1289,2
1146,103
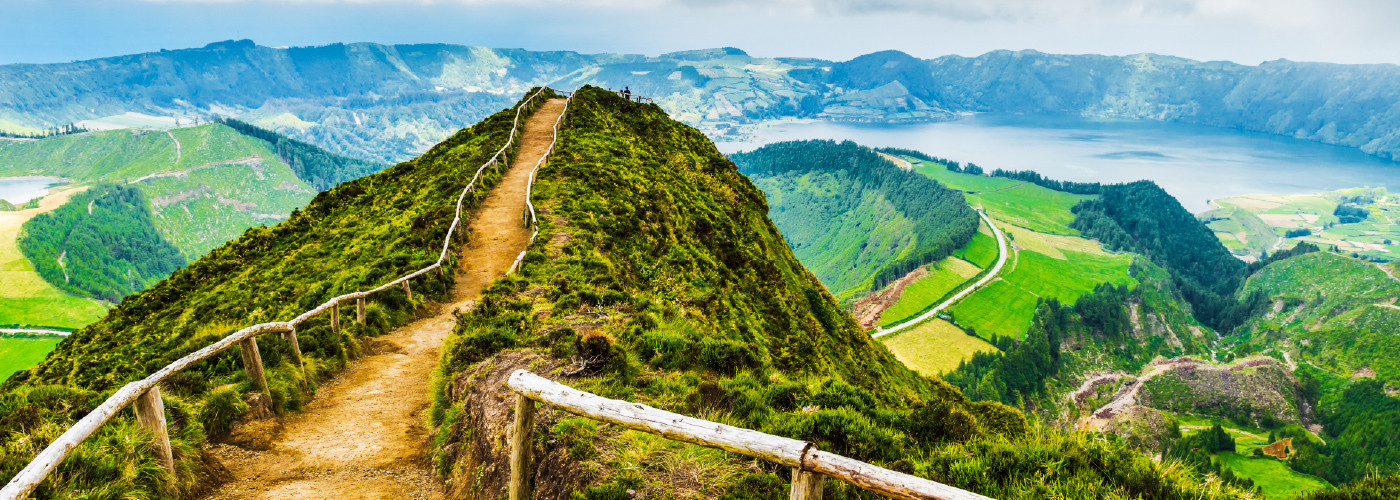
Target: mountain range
390,102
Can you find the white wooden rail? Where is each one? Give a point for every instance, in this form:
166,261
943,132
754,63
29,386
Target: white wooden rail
530,186
809,465
145,393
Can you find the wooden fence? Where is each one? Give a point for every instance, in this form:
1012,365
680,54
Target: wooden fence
144,394
810,466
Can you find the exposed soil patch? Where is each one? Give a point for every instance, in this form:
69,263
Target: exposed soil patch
869,308
363,436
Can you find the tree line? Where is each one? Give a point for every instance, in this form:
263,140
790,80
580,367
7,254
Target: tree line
318,167
953,166
48,132
943,222
109,253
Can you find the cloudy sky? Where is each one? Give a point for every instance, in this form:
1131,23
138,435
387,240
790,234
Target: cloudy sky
1246,31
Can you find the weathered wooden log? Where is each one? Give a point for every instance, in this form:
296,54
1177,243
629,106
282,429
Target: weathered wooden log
776,449
150,413
360,310
291,336
806,485
335,318
252,364
521,448
407,291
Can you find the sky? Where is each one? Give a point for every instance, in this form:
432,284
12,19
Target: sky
1244,31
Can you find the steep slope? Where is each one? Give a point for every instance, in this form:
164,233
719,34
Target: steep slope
656,278
856,219
357,235
363,436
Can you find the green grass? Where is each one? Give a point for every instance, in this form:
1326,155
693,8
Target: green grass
934,346
1032,207
1278,481
20,353
943,277
1006,306
1276,478
1000,308
1020,203
982,250
955,180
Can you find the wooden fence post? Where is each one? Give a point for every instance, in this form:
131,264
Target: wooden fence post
335,318
252,364
150,413
521,446
360,310
407,291
291,336
806,485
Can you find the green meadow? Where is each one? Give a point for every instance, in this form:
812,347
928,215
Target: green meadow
20,353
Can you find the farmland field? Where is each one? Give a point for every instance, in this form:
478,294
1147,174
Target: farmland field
943,277
19,353
1045,266
1249,225
934,346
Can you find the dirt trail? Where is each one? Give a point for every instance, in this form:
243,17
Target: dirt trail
363,436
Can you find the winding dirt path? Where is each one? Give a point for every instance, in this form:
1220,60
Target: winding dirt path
363,436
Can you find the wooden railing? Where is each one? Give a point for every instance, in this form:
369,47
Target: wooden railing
810,466
144,394
635,98
530,185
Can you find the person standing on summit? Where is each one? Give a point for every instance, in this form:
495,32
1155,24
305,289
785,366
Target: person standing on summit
627,92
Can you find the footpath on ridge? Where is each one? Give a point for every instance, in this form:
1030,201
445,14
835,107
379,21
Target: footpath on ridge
363,435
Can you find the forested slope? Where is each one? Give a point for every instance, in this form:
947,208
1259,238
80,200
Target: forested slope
854,218
358,235
657,278
101,244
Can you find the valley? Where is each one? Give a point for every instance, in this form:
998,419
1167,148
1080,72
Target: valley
959,321
144,202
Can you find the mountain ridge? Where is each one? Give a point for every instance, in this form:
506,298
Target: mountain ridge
388,101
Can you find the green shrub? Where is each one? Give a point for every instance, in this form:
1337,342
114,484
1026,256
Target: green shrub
221,408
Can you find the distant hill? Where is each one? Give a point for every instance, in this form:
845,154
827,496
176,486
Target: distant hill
856,219
205,185
390,102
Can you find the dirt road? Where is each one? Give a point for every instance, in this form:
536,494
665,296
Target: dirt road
363,436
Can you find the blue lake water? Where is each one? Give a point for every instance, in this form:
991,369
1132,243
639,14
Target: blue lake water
22,189
1194,163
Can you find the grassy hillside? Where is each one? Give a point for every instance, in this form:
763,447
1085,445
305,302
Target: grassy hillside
858,220
1048,260
359,234
207,190
657,278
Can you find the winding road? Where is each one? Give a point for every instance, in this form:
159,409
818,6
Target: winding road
987,278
